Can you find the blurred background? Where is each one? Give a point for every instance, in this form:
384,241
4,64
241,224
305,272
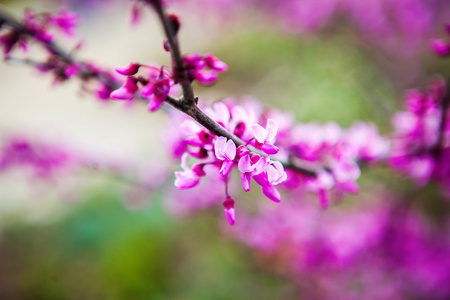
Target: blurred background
90,234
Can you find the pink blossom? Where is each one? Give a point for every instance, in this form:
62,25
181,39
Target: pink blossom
188,178
225,151
64,20
205,69
251,166
156,92
127,90
265,137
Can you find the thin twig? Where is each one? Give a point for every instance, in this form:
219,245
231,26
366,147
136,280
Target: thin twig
179,67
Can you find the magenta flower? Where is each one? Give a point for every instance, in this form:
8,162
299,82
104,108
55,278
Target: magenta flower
251,167
65,20
273,175
156,92
230,213
225,151
264,137
188,178
127,90
214,63
205,69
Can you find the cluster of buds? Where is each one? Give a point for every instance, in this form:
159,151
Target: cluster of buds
252,160
334,153
421,141
203,68
40,27
43,161
156,84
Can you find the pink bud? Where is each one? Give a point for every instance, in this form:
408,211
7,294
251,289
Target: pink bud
242,151
230,213
127,90
198,170
215,63
129,70
166,45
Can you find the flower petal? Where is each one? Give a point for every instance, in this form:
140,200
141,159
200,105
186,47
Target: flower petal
272,130
272,193
245,165
259,133
230,150
226,167
245,179
219,147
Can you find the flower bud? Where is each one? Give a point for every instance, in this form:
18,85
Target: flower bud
230,213
242,151
130,70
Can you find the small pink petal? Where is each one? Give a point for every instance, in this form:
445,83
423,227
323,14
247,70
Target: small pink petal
230,150
227,165
154,103
259,132
269,148
215,63
129,70
272,193
260,165
122,94
245,165
246,181
219,147
272,130
242,151
186,180
206,76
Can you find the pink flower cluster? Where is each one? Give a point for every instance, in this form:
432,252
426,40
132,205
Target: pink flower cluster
421,140
40,26
44,161
203,68
157,83
381,250
252,160
334,153
392,24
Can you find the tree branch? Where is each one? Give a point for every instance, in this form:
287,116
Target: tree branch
188,106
